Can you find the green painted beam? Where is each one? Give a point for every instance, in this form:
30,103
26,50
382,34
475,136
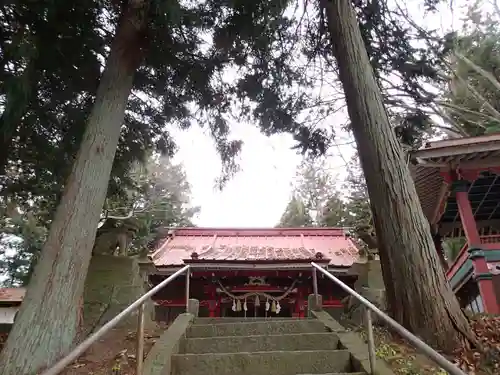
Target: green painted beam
466,268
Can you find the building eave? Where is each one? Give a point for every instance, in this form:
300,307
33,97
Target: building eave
252,262
250,266
429,164
459,146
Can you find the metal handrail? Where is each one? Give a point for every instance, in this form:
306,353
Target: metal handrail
422,346
137,305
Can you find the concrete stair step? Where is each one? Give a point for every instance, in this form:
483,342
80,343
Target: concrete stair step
262,363
255,328
241,320
261,343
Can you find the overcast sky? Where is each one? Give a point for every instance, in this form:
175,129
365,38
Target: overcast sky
257,196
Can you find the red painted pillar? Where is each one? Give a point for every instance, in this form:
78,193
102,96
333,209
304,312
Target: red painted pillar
296,308
295,313
482,275
300,299
218,307
466,214
484,280
212,303
212,307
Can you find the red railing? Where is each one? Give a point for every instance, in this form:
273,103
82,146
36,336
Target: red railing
487,242
491,239
461,258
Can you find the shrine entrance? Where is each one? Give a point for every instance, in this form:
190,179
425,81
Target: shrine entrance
250,273
253,311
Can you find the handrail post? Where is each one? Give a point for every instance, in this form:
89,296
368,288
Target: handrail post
371,342
139,355
83,346
426,349
315,286
188,279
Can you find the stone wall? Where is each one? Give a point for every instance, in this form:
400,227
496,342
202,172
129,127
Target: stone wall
335,312
370,284
113,283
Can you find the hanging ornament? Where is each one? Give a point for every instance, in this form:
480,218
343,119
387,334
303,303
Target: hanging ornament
245,305
273,307
268,306
234,305
257,300
278,308
238,305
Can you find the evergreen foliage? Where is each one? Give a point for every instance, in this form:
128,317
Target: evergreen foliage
159,197
325,201
471,97
51,63
295,215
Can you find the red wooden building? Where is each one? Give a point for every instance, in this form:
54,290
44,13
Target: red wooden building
10,302
458,183
251,272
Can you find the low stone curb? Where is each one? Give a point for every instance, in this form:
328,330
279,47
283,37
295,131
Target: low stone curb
354,344
159,359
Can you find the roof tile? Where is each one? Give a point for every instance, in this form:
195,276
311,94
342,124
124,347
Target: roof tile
239,245
12,294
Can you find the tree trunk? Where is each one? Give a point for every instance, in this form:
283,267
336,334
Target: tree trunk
47,323
425,303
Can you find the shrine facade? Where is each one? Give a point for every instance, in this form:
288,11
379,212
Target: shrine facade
250,272
457,181
10,302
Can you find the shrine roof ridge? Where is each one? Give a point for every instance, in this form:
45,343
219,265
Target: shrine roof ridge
12,295
455,147
432,165
258,232
255,245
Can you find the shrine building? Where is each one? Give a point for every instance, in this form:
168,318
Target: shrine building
267,272
458,183
251,272
10,302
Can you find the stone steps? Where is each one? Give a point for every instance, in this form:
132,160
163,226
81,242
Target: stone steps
263,363
242,320
255,328
260,343
235,346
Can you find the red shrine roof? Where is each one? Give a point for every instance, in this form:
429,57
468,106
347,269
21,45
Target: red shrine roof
12,295
435,157
233,245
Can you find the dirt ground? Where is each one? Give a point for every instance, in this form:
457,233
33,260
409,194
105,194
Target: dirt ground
114,354
405,360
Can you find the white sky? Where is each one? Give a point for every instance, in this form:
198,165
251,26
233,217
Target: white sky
257,196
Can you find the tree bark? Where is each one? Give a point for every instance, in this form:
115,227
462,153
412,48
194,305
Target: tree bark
47,323
425,302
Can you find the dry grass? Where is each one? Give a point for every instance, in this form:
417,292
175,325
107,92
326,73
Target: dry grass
114,354
405,360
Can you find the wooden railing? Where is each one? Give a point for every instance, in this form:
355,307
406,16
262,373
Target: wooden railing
461,258
491,239
489,242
